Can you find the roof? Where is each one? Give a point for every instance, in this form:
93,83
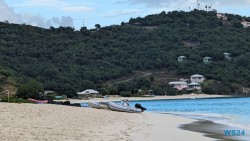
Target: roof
226,53
194,84
207,57
197,75
177,82
88,91
182,57
48,91
245,22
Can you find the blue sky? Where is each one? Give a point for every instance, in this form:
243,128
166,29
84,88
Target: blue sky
77,13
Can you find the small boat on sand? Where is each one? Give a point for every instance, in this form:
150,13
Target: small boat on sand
122,108
98,105
94,105
104,105
38,101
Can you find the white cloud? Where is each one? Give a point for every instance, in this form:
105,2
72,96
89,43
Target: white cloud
33,3
122,12
60,4
64,21
77,9
7,14
38,20
233,2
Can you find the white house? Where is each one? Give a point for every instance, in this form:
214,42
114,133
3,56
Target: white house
46,92
180,85
222,16
245,24
182,58
194,86
207,60
227,56
197,78
88,93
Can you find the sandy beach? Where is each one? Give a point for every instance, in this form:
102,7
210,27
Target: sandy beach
65,123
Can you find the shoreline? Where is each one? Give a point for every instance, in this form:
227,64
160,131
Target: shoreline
178,97
214,130
168,124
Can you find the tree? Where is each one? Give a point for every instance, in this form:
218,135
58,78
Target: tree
237,24
122,23
30,89
97,26
144,82
84,30
158,91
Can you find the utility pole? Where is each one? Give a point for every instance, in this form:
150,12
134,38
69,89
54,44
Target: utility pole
83,23
8,92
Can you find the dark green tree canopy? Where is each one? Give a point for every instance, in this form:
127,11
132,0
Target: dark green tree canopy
66,60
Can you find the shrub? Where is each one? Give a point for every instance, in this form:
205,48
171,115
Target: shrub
126,93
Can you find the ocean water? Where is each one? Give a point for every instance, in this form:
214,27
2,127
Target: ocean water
230,111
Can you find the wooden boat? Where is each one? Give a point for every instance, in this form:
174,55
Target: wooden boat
121,108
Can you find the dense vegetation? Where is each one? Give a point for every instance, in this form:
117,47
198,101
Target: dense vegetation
66,60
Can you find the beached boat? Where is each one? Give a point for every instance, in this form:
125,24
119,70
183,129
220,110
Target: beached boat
121,108
104,105
94,105
98,105
38,101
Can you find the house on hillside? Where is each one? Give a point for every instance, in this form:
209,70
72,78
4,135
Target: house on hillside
88,93
245,24
221,16
197,78
207,60
178,85
47,92
227,56
182,58
194,86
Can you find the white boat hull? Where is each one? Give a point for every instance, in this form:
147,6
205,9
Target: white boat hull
116,107
98,105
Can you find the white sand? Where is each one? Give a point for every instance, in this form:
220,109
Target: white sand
28,122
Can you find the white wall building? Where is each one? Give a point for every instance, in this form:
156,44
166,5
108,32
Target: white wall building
245,24
178,85
88,93
182,58
222,16
197,78
194,86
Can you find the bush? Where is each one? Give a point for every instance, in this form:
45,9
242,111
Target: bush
126,93
216,88
30,89
171,91
14,100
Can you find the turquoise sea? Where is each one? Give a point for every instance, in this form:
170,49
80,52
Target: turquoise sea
230,111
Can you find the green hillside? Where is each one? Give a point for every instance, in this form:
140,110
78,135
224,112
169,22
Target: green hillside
67,61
